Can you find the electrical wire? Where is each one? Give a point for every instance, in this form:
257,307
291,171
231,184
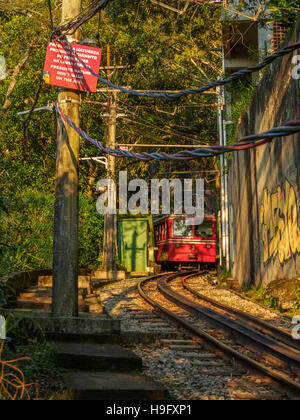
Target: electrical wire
50,15
192,91
71,26
246,143
153,127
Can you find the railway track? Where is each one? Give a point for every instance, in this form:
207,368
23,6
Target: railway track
234,335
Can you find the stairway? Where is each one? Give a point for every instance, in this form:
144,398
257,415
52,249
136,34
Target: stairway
33,305
40,297
87,346
100,371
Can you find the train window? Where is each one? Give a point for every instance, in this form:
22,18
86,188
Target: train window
181,229
205,230
163,231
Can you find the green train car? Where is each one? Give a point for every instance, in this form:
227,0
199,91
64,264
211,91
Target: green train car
136,245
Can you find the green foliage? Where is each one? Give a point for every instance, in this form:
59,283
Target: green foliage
2,205
42,361
3,294
285,11
39,366
90,233
27,232
263,296
161,52
2,210
241,94
223,273
298,301
272,302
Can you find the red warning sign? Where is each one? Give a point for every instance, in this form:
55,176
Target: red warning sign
65,68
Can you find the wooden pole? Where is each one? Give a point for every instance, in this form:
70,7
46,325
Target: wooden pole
65,247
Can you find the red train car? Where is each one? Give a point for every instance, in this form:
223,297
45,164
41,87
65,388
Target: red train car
181,244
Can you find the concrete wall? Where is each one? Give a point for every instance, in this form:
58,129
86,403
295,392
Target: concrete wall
264,184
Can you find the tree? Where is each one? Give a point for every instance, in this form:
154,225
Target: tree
161,50
283,11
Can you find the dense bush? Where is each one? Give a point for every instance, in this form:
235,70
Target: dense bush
27,232
298,301
91,226
2,295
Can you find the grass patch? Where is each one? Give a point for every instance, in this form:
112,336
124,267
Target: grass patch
262,296
298,302
280,295
34,366
224,277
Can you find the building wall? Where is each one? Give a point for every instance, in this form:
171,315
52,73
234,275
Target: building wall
264,184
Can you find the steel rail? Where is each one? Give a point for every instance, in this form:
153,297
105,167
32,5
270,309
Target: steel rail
248,320
221,349
267,347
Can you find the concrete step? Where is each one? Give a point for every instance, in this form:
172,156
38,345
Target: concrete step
83,338
92,300
104,275
19,304
84,282
113,386
96,311
94,307
35,294
96,357
42,305
85,323
43,298
46,290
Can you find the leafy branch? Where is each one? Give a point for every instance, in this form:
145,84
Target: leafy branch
2,205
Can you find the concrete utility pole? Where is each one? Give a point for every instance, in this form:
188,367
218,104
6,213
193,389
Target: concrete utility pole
65,248
110,225
110,220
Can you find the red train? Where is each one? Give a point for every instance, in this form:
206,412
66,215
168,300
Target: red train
180,244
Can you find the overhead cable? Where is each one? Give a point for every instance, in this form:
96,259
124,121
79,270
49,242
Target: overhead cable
245,143
192,91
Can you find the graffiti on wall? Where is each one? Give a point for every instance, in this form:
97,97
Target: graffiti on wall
279,222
